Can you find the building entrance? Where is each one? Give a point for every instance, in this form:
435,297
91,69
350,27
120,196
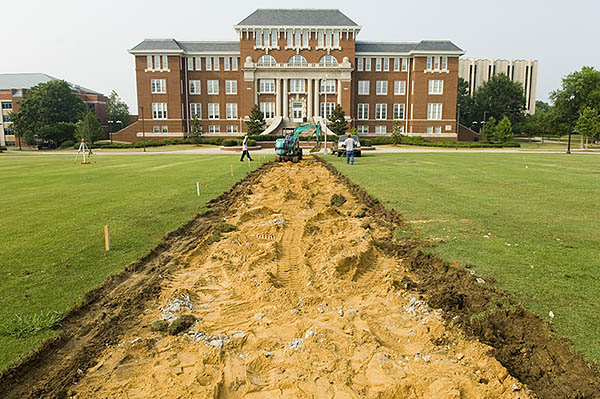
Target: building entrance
296,112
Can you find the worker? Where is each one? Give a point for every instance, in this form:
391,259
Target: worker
245,149
288,140
349,144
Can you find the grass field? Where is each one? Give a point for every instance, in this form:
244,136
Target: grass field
531,221
53,213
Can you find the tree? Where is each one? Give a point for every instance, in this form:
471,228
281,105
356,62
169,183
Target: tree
89,128
500,97
468,108
256,124
196,130
588,124
503,131
397,133
47,104
337,121
489,129
56,134
117,110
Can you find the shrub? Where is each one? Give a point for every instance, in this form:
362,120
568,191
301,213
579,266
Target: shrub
229,143
181,324
2,148
67,144
251,143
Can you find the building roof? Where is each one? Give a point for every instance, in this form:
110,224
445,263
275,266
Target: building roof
28,80
176,46
441,46
297,17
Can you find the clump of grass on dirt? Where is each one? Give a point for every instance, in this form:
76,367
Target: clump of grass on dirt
160,325
337,200
361,213
221,228
22,326
181,324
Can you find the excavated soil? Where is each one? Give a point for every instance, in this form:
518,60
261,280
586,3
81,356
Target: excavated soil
293,291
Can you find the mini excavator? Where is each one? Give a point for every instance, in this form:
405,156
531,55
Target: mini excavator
288,148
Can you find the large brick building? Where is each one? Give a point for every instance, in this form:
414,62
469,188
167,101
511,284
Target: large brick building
14,87
295,64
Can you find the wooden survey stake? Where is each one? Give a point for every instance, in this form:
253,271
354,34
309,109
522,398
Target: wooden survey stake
106,238
231,168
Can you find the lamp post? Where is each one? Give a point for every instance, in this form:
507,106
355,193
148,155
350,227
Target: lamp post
483,122
571,98
325,112
143,130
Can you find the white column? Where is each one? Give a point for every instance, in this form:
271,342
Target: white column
339,88
309,100
285,99
255,92
317,109
278,97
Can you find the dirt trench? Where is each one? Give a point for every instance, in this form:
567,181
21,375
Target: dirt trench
294,295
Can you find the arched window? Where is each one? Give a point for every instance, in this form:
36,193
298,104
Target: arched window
297,60
266,60
328,60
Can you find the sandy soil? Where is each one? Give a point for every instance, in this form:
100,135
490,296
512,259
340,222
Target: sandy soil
298,301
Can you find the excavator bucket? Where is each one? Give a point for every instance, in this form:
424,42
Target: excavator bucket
316,148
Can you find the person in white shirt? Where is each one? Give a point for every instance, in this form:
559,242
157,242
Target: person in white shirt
349,144
245,149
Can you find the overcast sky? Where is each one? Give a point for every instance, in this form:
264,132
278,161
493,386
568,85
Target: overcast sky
86,42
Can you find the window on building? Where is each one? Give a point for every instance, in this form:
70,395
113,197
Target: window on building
396,64
429,129
381,87
320,39
165,129
381,111
330,106
336,39
328,60
231,111
266,60
363,87
380,129
196,111
436,87
368,64
297,39
232,129
404,64
158,86
378,64
213,111
434,112
267,86
195,87
362,129
5,118
190,63
444,63
327,86
298,60
156,62
363,112
156,129
226,65
259,38
165,62
429,63
359,64
386,64
399,87
437,63
328,39
268,109
290,39
214,129
216,63
7,105
159,110
305,39
437,129
212,87
231,87
234,63
198,63
296,86
149,62
209,63
398,111
8,132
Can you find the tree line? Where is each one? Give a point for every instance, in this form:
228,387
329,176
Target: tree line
497,108
52,115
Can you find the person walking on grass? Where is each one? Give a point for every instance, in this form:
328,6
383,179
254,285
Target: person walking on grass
245,149
349,144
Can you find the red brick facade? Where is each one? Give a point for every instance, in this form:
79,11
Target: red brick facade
424,61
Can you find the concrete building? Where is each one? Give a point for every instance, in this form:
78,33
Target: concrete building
477,71
296,65
14,87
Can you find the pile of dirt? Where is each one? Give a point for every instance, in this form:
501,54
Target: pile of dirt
279,291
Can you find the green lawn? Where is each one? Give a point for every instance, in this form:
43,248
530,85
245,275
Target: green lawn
531,221
53,214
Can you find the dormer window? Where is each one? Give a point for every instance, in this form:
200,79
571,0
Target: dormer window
297,60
